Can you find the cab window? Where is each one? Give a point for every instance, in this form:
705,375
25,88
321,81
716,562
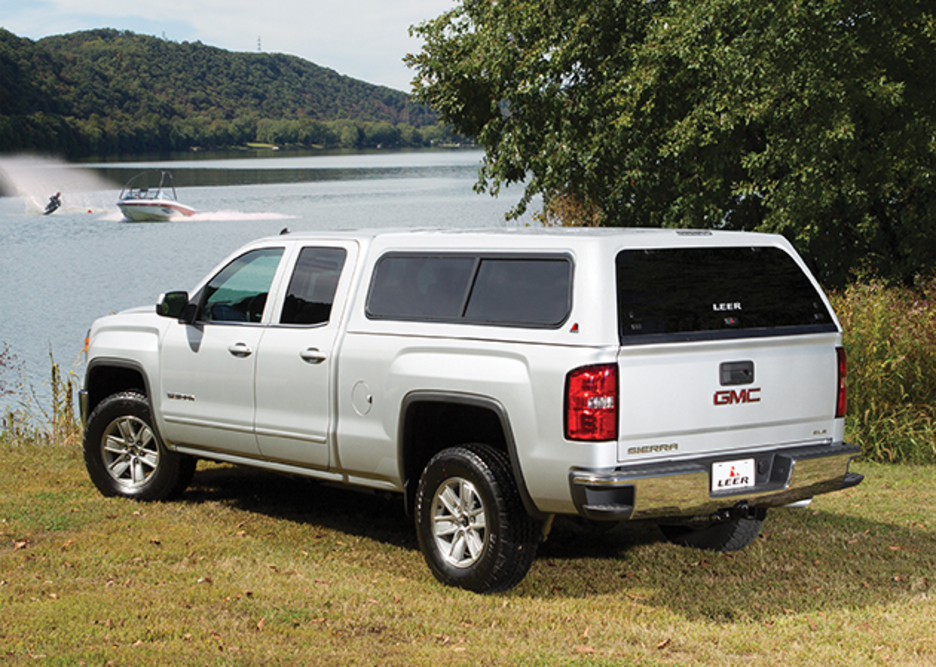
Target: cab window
238,293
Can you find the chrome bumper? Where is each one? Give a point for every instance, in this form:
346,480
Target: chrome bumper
682,489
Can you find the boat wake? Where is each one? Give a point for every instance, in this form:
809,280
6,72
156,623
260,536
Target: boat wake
35,179
237,216
209,216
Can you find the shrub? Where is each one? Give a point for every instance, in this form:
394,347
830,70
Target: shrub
890,338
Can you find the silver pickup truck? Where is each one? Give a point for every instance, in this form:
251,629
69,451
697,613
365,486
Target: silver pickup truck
493,379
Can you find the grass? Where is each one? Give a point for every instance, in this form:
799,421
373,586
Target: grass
251,568
890,338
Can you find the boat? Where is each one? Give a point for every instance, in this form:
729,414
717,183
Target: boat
141,202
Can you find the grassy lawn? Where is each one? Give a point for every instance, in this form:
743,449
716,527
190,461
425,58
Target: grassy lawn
254,569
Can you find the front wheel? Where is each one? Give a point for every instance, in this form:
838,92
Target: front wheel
473,529
727,535
125,456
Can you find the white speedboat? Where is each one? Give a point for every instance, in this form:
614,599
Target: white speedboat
140,201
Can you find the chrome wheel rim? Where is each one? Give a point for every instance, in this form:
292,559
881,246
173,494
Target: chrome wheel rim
459,522
130,451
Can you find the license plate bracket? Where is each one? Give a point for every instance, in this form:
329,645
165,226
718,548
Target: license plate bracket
733,475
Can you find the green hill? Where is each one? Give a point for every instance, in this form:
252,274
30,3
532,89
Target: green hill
109,91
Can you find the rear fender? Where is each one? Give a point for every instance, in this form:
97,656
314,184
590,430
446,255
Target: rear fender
431,421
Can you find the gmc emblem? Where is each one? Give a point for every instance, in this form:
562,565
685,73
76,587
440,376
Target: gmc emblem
732,396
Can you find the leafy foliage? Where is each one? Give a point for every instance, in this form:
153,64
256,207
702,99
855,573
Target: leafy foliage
107,91
812,119
890,337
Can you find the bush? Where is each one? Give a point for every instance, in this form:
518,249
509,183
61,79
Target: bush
890,338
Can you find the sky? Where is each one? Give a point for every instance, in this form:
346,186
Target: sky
363,39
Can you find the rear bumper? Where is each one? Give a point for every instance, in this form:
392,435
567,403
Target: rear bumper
683,488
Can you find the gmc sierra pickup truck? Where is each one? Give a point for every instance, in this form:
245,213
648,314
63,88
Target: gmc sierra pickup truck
493,379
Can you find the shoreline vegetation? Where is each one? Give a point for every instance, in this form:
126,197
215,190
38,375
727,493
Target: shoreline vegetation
34,421
890,340
110,92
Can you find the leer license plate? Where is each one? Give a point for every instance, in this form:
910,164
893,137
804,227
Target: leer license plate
733,475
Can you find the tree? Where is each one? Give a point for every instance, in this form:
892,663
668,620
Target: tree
105,91
816,120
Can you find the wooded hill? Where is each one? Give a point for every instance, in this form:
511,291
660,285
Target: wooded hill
107,91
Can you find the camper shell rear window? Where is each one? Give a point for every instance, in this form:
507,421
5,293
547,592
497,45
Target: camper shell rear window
501,290
710,293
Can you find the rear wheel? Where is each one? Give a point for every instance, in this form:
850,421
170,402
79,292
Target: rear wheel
125,456
473,529
726,535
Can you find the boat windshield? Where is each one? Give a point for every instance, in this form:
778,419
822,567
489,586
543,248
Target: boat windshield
138,187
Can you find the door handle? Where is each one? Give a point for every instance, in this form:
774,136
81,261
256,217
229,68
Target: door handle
240,350
313,355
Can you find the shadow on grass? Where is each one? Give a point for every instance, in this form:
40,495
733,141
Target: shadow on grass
804,561
378,517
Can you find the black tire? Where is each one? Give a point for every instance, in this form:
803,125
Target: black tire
724,536
473,529
126,457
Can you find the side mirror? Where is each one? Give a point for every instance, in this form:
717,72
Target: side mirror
173,304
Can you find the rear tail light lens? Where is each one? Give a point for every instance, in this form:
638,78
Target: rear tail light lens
841,403
591,403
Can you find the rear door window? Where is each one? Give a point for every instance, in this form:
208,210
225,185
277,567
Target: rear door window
704,293
312,286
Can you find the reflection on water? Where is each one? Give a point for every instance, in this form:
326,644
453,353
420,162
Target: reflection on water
61,271
234,168
295,170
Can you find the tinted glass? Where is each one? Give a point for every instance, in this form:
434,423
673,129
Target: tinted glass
506,291
312,286
239,292
521,291
420,287
715,292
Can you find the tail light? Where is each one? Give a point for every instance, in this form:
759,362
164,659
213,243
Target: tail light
841,402
591,403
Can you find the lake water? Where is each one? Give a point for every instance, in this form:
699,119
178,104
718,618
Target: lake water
59,272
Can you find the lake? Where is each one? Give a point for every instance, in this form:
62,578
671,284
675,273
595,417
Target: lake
59,272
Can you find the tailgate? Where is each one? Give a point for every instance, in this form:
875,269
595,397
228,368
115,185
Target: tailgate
718,397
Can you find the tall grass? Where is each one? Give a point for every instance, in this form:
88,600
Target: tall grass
890,338
54,421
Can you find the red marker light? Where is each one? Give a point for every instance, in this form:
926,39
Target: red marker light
841,401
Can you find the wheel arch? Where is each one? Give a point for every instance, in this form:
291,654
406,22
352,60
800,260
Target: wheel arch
431,421
106,376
